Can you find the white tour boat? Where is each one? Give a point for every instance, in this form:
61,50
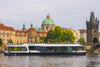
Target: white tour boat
45,49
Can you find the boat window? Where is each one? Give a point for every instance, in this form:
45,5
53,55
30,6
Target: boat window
56,49
78,48
31,47
17,49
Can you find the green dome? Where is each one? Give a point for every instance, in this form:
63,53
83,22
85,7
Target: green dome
48,21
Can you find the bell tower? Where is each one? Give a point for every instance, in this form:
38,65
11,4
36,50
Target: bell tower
92,30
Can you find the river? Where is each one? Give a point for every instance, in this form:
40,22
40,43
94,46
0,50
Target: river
90,60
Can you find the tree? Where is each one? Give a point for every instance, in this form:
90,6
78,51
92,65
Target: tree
42,39
82,41
1,42
10,41
68,36
50,36
59,35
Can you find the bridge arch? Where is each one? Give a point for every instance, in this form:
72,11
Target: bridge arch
95,40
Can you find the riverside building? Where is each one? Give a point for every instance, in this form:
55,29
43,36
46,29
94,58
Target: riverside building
30,35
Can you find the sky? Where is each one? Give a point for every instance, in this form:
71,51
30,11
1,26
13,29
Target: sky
65,13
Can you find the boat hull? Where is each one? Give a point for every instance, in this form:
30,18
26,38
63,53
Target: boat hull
26,54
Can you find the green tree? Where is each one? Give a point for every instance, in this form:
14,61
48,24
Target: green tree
68,36
82,41
10,41
59,35
1,42
42,39
50,36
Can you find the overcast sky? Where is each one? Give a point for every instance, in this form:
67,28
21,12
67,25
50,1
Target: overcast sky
66,13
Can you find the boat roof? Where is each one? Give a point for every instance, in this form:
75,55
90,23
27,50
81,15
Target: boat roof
46,45
52,45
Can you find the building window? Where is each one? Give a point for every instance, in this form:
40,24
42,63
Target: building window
3,35
76,33
7,35
7,39
0,35
7,31
0,31
3,27
22,34
18,34
42,28
3,31
76,37
3,39
50,28
46,28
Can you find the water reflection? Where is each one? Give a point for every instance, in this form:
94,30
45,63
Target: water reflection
91,60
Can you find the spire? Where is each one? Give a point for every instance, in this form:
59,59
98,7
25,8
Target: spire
23,27
92,17
31,25
48,16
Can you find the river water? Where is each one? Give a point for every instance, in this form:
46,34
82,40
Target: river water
90,60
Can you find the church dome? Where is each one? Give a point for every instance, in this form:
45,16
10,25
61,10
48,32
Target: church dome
48,21
31,28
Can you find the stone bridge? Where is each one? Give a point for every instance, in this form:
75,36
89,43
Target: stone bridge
93,33
97,47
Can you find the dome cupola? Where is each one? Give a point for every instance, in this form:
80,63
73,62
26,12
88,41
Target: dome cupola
48,21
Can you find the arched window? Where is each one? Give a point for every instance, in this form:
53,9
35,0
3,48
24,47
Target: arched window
50,28
42,28
46,28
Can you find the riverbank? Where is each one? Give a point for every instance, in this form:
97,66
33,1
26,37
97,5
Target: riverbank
2,48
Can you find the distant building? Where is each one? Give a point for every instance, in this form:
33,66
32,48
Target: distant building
76,34
83,34
99,36
30,35
6,33
48,24
92,30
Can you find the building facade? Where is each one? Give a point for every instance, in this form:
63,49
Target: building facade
76,34
48,24
83,34
30,35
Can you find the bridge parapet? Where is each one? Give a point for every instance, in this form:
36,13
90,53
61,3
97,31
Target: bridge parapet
97,44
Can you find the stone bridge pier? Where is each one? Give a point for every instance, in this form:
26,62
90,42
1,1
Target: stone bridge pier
97,47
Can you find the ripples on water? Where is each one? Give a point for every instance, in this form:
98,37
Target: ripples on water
91,60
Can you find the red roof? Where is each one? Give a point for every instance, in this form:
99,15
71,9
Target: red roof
31,29
20,32
82,31
3,27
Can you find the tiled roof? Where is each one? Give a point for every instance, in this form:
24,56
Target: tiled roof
20,32
3,27
82,31
31,29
